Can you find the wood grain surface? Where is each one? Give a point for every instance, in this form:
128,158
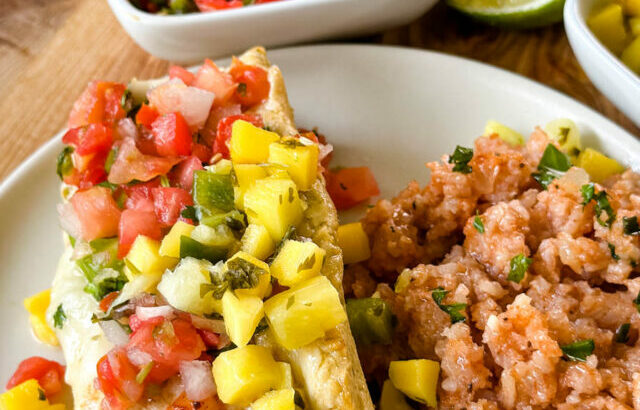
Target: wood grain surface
50,49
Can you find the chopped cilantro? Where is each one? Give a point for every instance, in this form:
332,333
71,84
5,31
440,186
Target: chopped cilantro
461,157
587,191
578,351
612,250
59,317
64,163
454,310
478,224
518,267
622,333
630,225
553,164
602,204
307,263
240,274
189,212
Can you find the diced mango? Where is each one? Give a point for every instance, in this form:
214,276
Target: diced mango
505,133
392,398
354,243
566,133
276,400
181,287
257,242
170,245
37,306
418,379
264,280
246,175
275,204
634,26
631,55
304,313
402,281
222,167
241,316
598,165
250,144
145,256
297,261
287,378
27,396
632,7
301,161
219,236
244,374
608,25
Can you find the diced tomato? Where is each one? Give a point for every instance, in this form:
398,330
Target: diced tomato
134,223
89,172
187,77
89,139
49,374
253,83
351,186
212,5
140,197
182,175
168,344
132,164
169,203
209,338
210,78
107,383
202,152
146,115
98,213
123,374
99,103
171,135
106,301
223,133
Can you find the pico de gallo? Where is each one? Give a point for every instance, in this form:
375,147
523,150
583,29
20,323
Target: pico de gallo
192,6
181,208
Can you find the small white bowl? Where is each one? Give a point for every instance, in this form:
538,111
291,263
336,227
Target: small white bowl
191,37
606,71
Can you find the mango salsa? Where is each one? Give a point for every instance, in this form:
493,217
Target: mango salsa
354,243
181,287
275,204
297,261
300,161
598,165
244,374
304,313
392,398
566,134
170,245
241,316
145,256
250,144
244,261
246,175
505,133
27,396
418,379
608,25
276,400
257,242
37,306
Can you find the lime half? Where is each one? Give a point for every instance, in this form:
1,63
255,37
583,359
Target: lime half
518,14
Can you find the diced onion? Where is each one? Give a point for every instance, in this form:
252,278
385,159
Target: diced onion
324,151
174,96
69,220
127,128
145,313
214,325
138,357
114,332
197,379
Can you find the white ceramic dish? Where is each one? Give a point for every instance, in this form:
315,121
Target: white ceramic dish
606,71
392,109
193,37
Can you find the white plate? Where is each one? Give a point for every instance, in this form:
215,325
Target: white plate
193,37
390,108
606,71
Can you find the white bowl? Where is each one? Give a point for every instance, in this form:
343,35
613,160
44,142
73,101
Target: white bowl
606,71
192,37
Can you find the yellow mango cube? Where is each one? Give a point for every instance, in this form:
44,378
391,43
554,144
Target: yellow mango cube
418,379
250,144
505,133
37,306
242,260
632,7
241,316
598,166
246,175
257,242
244,374
287,378
170,245
300,161
608,25
27,396
276,400
565,132
275,204
634,26
297,261
392,398
145,257
181,287
631,55
403,281
354,243
304,313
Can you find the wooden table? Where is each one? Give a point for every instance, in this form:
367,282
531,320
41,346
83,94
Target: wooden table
50,49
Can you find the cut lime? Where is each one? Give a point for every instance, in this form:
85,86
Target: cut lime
517,14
